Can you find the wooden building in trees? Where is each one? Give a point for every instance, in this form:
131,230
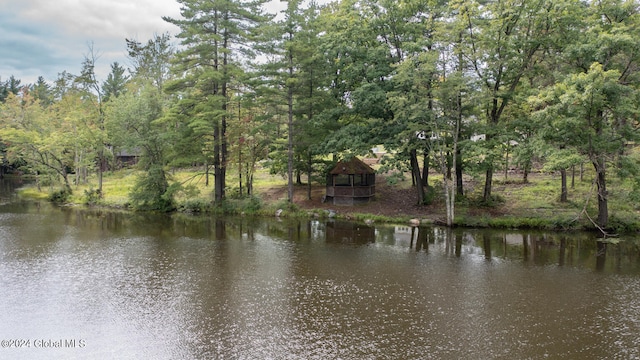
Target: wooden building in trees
125,158
351,182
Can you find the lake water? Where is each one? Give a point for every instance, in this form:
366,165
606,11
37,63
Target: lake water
90,284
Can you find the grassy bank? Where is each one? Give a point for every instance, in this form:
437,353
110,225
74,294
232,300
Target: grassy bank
537,205
532,205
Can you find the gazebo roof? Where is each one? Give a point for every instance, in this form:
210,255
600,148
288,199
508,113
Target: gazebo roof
353,166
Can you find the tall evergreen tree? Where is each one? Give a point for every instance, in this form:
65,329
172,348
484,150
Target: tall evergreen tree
116,82
42,91
10,86
293,74
215,36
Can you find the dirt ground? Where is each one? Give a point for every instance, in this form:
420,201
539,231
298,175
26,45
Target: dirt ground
390,201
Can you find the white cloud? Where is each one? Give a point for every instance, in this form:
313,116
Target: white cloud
104,19
47,37
44,37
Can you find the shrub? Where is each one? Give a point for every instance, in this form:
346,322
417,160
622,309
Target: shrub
480,201
395,178
60,196
196,205
92,196
288,209
623,224
251,204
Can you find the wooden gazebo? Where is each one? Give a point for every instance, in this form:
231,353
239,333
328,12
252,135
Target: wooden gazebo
351,182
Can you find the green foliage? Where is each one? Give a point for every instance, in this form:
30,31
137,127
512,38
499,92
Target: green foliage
116,82
152,192
493,201
471,221
196,205
559,223
287,208
413,76
60,196
629,169
396,177
370,218
40,138
550,223
215,36
250,205
430,195
10,86
92,196
623,224
234,193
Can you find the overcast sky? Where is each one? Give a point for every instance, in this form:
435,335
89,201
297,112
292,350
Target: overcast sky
47,37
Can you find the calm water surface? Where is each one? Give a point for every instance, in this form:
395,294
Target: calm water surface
88,284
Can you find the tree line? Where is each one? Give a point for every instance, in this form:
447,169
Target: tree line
461,86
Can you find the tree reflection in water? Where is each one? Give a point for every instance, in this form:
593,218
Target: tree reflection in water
540,248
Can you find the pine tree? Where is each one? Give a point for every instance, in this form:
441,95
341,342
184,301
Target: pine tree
215,36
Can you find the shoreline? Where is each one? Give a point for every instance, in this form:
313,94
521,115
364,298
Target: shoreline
393,204
484,220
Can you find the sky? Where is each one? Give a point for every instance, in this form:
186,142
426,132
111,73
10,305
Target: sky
47,37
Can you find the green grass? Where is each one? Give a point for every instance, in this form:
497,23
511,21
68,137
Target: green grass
33,193
532,205
115,188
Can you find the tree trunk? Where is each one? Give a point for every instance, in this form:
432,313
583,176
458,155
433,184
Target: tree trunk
415,169
309,119
309,171
451,196
206,171
224,152
413,177
425,168
77,162
290,136
296,169
217,168
217,175
573,176
603,212
240,168
487,183
250,185
459,183
100,170
493,123
506,165
563,181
